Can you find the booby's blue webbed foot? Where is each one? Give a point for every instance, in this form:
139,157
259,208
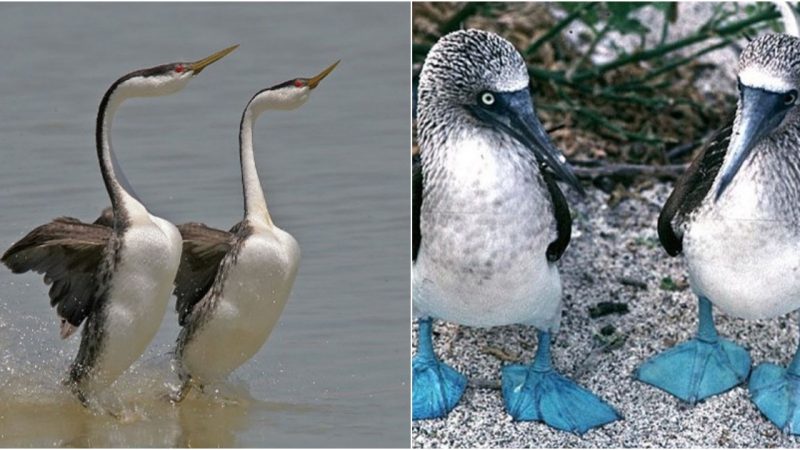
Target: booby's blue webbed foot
436,387
776,393
699,368
696,370
537,392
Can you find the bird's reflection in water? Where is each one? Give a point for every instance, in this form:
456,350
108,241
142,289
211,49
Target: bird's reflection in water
212,419
35,410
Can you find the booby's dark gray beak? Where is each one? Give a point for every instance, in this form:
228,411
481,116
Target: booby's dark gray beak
513,113
760,113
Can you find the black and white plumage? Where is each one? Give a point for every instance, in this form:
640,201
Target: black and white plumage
114,276
489,219
232,286
734,213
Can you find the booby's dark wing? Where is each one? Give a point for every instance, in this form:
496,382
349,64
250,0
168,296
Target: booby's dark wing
690,190
563,218
68,252
203,250
416,204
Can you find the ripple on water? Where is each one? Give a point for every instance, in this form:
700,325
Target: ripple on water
38,410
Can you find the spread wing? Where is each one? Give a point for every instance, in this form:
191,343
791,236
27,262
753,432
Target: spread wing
106,218
416,200
203,250
690,190
562,215
68,252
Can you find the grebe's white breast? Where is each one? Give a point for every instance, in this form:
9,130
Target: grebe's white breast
255,289
140,289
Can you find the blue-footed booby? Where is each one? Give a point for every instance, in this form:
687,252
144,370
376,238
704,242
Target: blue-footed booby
232,285
734,215
115,274
490,222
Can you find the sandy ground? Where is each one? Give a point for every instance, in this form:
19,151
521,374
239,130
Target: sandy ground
610,244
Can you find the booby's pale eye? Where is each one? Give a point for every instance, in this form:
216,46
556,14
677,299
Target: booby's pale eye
298,83
179,68
487,98
789,98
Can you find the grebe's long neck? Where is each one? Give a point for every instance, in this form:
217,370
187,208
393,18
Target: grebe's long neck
124,201
255,205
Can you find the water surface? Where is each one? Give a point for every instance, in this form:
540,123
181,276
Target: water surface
335,370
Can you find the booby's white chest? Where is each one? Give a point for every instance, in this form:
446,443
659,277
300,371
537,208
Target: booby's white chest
255,290
742,255
486,222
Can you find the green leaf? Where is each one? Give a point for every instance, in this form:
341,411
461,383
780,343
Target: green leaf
630,25
662,6
623,9
620,17
589,17
668,284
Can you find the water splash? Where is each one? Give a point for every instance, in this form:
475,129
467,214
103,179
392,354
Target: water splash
36,409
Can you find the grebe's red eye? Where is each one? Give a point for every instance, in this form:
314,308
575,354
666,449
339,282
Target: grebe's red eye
299,83
179,68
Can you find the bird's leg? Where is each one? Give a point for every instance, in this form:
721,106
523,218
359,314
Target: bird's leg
706,330
179,394
542,362
92,404
436,387
701,367
81,398
538,392
776,393
72,382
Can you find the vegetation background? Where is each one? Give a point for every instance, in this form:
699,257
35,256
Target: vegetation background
628,90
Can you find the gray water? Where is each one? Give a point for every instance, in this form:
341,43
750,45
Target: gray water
335,370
